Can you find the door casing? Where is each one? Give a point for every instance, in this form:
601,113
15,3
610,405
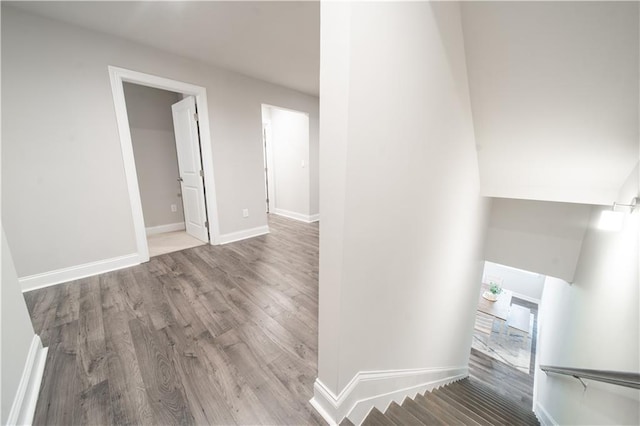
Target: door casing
120,75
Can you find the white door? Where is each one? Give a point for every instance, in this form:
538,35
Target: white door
190,166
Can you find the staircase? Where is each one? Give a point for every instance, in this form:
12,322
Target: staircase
466,402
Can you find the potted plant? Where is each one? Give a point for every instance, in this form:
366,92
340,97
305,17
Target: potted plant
494,291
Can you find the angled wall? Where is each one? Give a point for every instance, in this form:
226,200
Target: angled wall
537,236
402,218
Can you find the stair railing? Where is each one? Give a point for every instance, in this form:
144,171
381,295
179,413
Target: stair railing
620,378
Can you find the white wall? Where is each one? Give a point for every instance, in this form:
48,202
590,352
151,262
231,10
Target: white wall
154,149
524,284
289,146
401,261
537,236
62,163
594,323
554,91
17,331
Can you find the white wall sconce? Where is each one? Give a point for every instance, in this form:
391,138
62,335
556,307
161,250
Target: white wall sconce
612,220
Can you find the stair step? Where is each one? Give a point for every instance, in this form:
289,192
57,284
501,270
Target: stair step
466,402
508,408
436,409
376,418
461,417
482,410
421,412
400,416
509,405
346,422
488,404
455,405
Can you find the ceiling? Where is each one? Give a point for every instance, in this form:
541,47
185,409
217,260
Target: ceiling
554,92
553,85
278,42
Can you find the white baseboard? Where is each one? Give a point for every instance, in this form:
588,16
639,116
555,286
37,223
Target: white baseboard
543,415
46,279
170,227
243,235
369,389
24,402
297,216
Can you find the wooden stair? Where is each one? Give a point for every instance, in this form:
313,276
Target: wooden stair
466,402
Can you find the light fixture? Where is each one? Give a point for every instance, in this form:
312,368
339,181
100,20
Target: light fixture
612,220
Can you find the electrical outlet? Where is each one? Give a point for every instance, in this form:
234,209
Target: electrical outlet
245,212
174,208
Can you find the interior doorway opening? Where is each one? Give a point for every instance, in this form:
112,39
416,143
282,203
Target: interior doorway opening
506,321
159,123
285,137
192,145
504,343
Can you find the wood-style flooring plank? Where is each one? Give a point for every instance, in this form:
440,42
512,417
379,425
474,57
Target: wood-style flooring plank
58,390
129,402
208,335
164,388
204,399
94,405
91,349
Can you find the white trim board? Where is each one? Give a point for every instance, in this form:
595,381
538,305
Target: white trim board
369,389
244,234
543,415
120,75
46,279
297,216
24,402
169,227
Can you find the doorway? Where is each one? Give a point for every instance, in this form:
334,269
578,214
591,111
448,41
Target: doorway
285,134
163,133
195,162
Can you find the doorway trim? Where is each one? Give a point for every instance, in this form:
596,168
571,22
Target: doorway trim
118,76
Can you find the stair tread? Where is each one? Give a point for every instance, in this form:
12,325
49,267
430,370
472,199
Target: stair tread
505,402
482,410
376,418
422,413
494,407
465,402
506,409
400,416
437,410
448,408
463,409
346,422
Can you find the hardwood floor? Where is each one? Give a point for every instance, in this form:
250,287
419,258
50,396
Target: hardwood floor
502,378
209,335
